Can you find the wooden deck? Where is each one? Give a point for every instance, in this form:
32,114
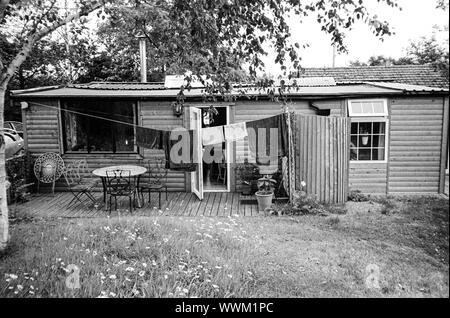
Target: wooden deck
178,204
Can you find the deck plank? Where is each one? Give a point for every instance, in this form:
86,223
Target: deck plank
215,204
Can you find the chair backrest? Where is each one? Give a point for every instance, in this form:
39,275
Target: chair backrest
118,181
71,174
83,167
157,170
48,167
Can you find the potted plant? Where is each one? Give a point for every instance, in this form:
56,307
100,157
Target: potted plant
246,174
264,195
364,136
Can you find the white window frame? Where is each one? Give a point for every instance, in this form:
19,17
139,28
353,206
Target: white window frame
372,117
383,114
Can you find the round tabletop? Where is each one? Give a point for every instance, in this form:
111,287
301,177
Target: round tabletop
134,170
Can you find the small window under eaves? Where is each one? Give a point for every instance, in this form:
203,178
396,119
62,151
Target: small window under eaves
371,108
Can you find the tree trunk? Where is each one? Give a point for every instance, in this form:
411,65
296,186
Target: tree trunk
4,226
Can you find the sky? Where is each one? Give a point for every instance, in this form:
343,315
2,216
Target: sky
416,19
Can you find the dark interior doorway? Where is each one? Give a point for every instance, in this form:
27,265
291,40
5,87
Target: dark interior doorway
215,174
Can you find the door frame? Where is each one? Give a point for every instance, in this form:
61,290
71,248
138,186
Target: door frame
228,146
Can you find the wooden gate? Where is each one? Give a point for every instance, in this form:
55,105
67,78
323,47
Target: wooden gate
322,156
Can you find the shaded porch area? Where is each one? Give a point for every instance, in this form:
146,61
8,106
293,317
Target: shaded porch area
47,205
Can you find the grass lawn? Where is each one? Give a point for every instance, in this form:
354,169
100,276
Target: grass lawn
388,248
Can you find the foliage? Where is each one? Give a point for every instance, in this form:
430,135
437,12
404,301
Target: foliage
357,196
246,175
16,170
266,185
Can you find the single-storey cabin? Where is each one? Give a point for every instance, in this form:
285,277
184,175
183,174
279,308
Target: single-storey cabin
396,140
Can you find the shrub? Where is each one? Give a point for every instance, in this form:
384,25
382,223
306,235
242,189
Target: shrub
357,196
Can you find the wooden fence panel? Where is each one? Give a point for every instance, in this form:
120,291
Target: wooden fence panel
321,156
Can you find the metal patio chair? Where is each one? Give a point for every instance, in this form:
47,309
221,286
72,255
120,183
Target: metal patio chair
48,168
120,184
76,184
157,179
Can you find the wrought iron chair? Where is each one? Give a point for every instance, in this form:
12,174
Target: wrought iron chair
157,179
48,168
76,184
120,184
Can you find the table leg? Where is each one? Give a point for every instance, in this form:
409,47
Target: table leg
104,188
136,183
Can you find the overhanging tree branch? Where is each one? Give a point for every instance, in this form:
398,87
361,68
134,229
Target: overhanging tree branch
32,39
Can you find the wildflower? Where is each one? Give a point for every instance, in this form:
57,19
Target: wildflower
215,286
12,276
303,184
187,251
112,276
219,267
31,292
103,294
129,269
112,294
94,253
144,264
154,263
141,273
185,290
166,277
230,276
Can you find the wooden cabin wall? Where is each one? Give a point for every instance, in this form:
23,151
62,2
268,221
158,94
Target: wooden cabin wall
253,110
159,115
41,129
414,150
416,126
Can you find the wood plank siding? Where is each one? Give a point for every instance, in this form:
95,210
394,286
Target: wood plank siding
415,145
414,150
415,157
368,177
321,156
159,115
250,110
41,127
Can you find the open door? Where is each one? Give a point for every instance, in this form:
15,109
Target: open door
195,122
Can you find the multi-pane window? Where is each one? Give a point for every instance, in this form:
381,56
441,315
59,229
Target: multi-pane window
98,126
368,138
368,141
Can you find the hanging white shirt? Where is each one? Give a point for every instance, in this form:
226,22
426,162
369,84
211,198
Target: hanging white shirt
212,135
235,132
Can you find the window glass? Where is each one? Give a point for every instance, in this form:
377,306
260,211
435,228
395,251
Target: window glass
378,107
367,108
99,126
367,141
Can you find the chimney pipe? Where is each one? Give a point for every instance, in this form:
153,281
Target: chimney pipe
143,58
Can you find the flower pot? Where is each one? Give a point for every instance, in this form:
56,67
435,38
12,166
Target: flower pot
264,200
365,140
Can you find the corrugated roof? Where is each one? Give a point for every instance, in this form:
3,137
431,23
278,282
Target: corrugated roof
425,75
119,85
310,91
407,87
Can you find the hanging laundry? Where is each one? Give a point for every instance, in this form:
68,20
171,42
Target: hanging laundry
268,138
149,138
235,132
178,150
212,135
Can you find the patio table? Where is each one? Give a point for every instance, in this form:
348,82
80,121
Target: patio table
135,172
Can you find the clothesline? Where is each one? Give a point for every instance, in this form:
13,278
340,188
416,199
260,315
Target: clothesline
122,122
